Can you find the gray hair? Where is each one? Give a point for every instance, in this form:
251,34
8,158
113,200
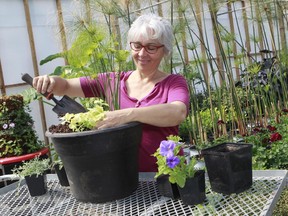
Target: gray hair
151,26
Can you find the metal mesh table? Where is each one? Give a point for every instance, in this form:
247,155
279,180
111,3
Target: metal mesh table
260,199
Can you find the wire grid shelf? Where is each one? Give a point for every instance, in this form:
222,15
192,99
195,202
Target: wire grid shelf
146,200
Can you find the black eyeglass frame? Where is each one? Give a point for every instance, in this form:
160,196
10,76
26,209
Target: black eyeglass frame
145,47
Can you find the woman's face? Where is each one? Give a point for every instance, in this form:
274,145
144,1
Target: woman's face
146,58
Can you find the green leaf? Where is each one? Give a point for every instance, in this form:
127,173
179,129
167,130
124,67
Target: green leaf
51,57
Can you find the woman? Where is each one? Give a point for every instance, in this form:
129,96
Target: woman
148,95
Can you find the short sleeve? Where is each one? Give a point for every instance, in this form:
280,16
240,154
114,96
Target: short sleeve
178,90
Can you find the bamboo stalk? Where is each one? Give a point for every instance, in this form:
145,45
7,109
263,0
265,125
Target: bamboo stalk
62,28
200,29
213,15
183,33
34,60
116,31
269,17
2,83
260,31
159,8
246,29
282,27
88,11
232,29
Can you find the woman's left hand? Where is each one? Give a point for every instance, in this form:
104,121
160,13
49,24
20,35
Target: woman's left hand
114,118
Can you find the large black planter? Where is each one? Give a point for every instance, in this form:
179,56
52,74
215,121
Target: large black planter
37,185
193,192
229,167
166,188
101,165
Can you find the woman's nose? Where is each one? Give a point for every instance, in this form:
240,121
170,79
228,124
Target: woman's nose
142,52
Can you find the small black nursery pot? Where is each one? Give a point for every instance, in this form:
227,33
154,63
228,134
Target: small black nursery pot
166,188
37,185
229,167
193,192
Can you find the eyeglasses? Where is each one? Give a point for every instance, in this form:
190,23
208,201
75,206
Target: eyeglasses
151,49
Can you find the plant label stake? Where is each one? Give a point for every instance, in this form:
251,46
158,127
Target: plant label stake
63,106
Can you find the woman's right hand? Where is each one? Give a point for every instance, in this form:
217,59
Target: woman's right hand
58,86
44,83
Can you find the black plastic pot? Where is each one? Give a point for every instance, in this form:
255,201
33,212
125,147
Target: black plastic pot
193,192
37,185
166,188
101,165
229,167
61,174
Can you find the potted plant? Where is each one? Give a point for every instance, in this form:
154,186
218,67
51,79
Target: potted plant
101,165
174,170
33,171
18,139
58,166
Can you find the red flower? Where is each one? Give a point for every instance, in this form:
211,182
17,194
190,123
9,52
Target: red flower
271,128
257,130
275,136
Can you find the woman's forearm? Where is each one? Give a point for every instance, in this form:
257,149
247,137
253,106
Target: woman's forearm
162,115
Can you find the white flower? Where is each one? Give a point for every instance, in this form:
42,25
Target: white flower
12,125
5,126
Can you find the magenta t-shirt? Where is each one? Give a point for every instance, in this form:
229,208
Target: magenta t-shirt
172,88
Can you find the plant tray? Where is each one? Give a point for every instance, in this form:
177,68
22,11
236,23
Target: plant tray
260,199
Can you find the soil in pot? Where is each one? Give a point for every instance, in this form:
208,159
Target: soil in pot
229,167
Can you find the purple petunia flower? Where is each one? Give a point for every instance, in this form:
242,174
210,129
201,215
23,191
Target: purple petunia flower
172,161
5,126
166,148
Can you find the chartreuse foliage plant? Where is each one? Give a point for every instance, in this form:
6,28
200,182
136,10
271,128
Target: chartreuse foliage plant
170,162
83,121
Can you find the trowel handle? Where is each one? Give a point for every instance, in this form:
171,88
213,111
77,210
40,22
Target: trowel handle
28,79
